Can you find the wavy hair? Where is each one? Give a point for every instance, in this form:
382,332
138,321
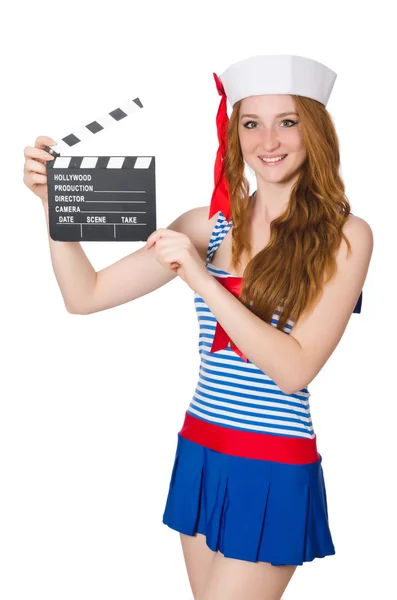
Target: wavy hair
289,273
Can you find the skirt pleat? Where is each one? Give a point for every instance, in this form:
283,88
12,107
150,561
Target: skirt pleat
250,509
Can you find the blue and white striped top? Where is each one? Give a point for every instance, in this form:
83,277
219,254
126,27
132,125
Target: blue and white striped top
233,393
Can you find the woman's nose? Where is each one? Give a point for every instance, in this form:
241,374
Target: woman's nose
269,140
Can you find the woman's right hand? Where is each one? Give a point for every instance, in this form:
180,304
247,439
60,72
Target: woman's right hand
34,172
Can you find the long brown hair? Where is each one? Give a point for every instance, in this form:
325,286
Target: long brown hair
289,273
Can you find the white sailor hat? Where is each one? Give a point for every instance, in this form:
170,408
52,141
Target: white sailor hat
254,76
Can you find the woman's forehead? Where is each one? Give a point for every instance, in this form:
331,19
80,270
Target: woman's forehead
268,104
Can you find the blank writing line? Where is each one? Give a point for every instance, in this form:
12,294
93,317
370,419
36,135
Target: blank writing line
119,201
126,212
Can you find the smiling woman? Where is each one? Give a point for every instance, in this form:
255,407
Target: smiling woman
247,475
275,277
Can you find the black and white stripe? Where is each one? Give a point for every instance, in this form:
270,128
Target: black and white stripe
107,120
100,162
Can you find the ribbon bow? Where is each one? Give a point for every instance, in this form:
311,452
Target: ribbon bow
221,339
220,199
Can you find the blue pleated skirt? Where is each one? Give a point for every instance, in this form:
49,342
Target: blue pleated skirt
250,509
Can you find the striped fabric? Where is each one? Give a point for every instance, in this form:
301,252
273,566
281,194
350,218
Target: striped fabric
236,394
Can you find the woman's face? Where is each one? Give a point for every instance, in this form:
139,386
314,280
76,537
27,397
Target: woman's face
267,133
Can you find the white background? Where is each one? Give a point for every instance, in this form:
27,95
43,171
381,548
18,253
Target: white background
91,405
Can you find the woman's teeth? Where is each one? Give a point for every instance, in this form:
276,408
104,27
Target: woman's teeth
273,160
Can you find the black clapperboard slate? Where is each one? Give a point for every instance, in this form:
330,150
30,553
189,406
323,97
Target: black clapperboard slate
101,198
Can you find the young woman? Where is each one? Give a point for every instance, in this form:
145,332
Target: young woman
276,276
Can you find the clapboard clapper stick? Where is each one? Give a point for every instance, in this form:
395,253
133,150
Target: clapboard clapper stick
93,128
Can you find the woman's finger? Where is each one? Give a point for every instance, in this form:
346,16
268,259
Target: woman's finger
30,178
32,152
35,166
44,140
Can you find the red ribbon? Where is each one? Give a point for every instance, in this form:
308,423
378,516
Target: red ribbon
221,339
220,200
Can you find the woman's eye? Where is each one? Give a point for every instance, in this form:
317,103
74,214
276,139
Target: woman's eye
284,121
247,123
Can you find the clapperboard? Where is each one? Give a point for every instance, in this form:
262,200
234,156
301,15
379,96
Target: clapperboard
100,198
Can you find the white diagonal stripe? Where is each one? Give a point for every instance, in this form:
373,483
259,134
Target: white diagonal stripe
130,107
89,162
62,162
115,162
107,121
82,133
143,162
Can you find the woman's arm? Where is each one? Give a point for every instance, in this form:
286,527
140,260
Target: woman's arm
292,361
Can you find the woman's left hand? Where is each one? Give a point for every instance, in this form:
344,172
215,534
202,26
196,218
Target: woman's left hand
176,251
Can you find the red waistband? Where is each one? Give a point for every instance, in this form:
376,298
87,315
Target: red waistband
248,444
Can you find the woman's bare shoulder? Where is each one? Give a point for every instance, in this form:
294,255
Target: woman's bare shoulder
356,226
